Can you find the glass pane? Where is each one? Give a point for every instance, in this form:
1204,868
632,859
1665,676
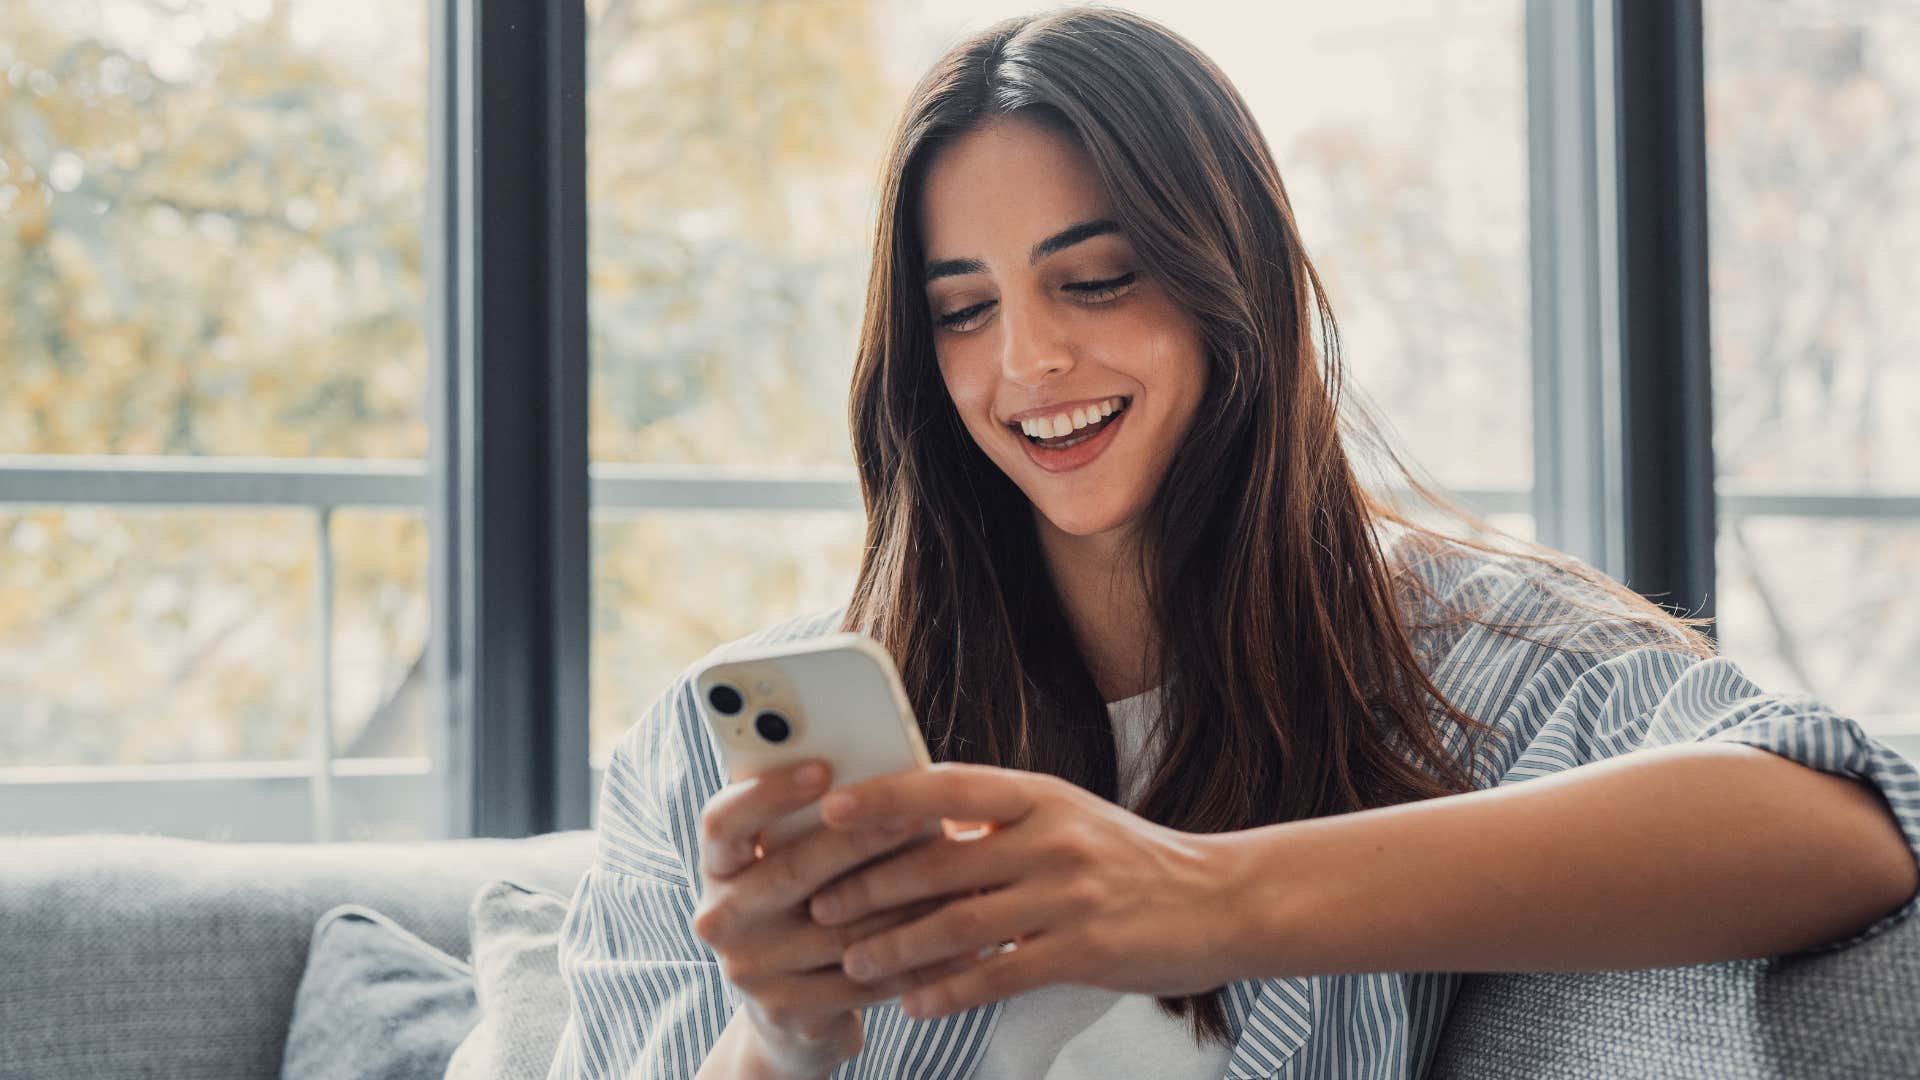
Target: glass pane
1814,207
1842,626
729,231
1410,184
670,586
146,637
211,233
380,619
385,784
210,227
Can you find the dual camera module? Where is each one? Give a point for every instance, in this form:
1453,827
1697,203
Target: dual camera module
728,702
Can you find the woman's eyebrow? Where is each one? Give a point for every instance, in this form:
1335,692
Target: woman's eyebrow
1065,238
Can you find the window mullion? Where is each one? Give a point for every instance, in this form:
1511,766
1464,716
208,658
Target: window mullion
511,480
1668,419
1623,464
1576,434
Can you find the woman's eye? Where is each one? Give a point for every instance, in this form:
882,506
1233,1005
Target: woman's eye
1095,292
1088,292
953,320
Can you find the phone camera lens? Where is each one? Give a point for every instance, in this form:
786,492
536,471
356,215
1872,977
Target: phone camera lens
772,727
726,699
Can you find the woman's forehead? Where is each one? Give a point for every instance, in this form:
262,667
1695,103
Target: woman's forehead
999,189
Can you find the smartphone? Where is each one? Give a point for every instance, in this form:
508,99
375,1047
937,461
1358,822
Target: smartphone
837,698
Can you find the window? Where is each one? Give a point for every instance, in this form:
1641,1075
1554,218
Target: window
1814,196
212,538
268,382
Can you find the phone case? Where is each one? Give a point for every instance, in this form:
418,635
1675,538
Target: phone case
841,699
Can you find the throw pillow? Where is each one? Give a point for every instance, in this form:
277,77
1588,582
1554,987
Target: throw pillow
515,933
375,1002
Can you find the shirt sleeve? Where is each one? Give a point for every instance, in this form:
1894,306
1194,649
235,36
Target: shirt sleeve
1573,707
646,998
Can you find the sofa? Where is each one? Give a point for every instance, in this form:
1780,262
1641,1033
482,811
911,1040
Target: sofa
140,956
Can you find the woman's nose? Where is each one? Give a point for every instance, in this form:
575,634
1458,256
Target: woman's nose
1034,346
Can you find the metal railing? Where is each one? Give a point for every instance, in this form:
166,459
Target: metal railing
323,486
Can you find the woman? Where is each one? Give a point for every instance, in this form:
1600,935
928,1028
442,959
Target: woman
1236,726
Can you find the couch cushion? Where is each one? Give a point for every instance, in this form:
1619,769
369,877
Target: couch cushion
1849,1013
376,1003
140,956
523,1004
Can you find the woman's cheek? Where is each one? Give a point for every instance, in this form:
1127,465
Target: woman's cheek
971,390
965,381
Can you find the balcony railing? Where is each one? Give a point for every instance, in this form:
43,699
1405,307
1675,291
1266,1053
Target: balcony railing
44,798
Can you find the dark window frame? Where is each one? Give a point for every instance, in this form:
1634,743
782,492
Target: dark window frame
508,501
1623,425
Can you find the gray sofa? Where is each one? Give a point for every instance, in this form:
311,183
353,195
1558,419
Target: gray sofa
126,957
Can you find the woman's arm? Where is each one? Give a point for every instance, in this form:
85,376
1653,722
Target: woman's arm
1670,855
1675,855
1645,810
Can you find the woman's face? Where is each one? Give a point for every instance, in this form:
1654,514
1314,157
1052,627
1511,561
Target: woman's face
1041,312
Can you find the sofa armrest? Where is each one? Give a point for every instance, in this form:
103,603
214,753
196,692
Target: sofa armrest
1849,1013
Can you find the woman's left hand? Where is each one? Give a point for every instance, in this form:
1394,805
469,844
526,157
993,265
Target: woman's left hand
1090,893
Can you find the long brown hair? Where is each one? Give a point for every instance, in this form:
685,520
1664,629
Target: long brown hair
1291,688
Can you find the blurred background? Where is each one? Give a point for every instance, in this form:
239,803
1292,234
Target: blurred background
217,379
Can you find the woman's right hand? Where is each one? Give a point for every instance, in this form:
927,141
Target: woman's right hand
803,1008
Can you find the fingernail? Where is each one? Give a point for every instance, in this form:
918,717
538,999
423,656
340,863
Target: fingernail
859,965
839,804
810,775
826,908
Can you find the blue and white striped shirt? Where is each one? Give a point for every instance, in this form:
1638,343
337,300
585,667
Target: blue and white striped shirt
648,1000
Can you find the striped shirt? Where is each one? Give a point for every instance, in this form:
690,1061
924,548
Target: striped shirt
1069,1032
648,1000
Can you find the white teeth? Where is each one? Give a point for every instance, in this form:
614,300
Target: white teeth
1059,424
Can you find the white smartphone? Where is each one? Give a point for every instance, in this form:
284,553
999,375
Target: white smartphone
837,698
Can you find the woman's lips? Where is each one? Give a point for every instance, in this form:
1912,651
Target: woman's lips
1073,457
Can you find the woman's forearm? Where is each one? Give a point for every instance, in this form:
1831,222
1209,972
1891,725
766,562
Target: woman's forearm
1680,855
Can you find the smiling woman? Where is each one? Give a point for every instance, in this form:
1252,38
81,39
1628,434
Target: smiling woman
1244,737
1043,331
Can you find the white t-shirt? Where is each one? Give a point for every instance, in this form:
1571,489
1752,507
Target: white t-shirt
1082,1033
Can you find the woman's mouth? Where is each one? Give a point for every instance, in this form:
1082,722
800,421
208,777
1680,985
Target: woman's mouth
1078,445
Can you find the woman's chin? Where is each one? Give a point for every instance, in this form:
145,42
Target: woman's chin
1081,520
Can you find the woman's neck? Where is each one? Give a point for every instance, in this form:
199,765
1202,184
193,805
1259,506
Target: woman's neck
1105,603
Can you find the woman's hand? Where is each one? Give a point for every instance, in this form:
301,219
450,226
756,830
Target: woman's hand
752,911
1090,893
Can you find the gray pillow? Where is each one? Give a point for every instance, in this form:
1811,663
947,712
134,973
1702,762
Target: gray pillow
515,932
376,1003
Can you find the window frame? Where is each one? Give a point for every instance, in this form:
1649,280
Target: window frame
509,562
1622,364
